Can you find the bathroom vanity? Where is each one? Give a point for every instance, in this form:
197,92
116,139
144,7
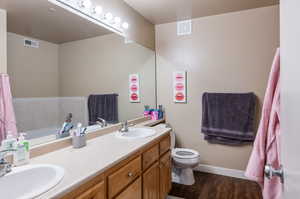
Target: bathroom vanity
110,167
145,174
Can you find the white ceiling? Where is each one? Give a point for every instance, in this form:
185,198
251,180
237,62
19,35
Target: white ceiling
33,18
164,11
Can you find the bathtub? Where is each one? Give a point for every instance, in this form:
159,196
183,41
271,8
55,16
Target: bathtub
39,136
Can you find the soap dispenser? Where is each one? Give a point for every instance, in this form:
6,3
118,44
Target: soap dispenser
22,153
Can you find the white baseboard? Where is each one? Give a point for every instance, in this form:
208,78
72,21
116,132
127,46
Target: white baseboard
221,171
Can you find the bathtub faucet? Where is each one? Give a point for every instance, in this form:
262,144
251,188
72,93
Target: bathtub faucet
66,127
102,122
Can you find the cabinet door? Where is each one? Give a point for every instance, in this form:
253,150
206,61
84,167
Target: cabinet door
151,182
165,175
95,192
124,176
133,191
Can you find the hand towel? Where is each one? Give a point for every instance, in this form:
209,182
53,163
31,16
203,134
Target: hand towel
228,118
104,106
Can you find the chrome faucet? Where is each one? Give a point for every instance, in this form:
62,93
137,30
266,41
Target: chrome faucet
102,122
5,167
124,128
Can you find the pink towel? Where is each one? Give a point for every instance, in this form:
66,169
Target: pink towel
267,143
7,115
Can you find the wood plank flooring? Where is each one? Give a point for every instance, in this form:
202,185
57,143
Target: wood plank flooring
210,186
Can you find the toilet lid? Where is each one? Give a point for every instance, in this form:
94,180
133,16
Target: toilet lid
184,153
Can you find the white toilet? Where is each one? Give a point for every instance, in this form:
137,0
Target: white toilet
184,160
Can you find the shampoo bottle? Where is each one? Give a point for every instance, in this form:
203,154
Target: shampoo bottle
160,112
146,111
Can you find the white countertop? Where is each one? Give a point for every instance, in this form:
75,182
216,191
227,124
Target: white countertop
100,154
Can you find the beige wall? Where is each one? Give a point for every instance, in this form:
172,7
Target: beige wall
141,30
226,53
3,51
33,71
92,66
102,65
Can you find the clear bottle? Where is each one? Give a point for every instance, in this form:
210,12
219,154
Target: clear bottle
22,153
9,143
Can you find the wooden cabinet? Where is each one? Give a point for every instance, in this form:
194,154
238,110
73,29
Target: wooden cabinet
150,156
164,145
124,176
151,182
146,174
133,191
165,175
95,192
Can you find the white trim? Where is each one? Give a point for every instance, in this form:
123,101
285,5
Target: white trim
221,171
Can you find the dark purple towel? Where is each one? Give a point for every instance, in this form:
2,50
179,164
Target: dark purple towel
104,106
228,118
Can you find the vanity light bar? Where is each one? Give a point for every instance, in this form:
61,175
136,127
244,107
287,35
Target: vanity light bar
85,9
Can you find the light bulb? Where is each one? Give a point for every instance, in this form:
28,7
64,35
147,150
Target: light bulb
125,25
117,20
98,10
108,16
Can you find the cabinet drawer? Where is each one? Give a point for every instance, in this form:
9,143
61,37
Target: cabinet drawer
133,191
150,156
122,177
164,145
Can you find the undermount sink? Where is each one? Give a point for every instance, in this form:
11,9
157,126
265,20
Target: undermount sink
30,181
135,133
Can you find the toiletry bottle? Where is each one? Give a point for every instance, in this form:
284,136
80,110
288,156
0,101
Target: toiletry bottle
160,112
78,130
154,114
9,143
21,155
146,111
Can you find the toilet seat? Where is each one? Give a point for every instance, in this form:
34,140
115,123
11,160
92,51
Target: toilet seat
182,153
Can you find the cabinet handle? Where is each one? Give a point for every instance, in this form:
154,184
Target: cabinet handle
130,174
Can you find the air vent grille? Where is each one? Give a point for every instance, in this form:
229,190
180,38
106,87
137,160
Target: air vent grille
184,27
31,43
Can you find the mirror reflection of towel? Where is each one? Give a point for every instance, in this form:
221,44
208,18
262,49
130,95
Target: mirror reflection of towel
228,118
104,106
7,114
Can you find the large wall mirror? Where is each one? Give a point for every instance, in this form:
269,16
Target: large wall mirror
63,67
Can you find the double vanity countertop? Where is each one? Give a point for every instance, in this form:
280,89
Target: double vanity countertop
85,163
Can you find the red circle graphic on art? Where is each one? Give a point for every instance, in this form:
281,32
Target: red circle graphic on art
179,77
179,86
133,88
134,96
179,96
133,79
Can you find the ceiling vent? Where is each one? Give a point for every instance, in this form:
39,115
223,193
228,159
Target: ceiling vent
184,27
31,43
